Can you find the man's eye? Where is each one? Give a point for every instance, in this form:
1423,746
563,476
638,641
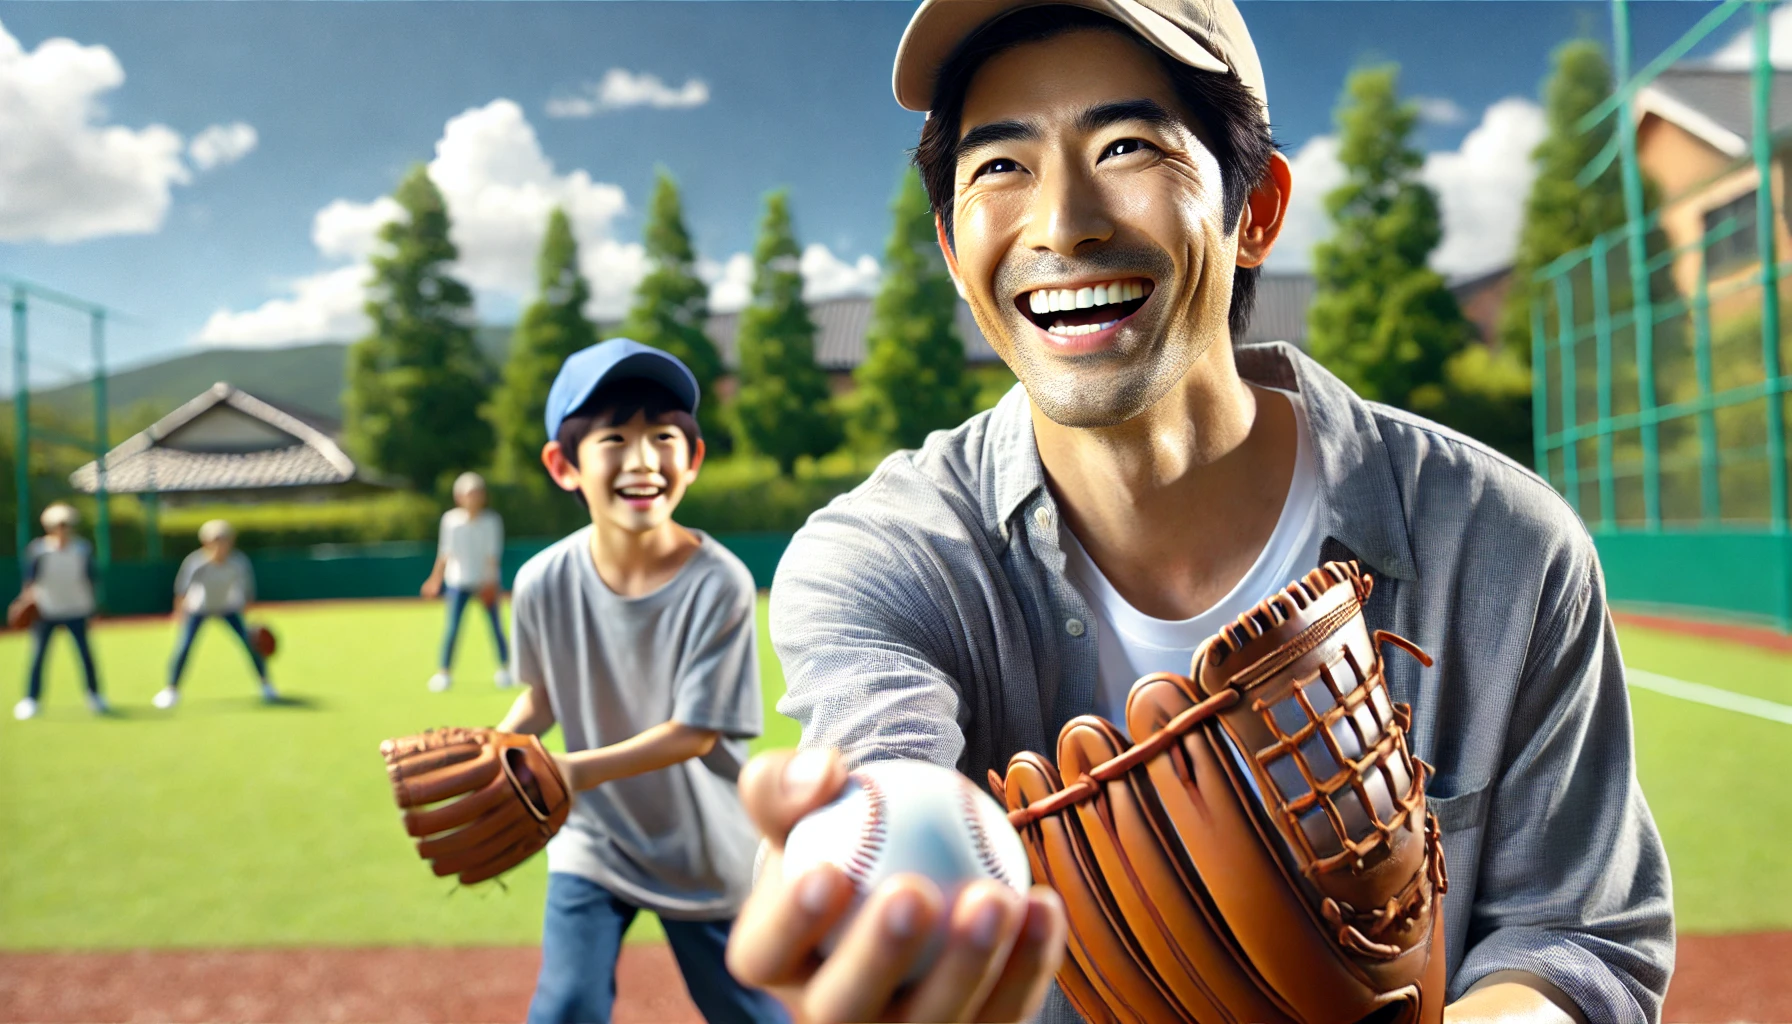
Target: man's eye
1125,146
1000,165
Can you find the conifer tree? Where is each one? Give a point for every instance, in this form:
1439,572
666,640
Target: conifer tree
914,377
1382,319
672,304
783,408
417,380
552,328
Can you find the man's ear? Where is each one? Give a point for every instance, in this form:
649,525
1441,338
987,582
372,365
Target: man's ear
1265,211
939,231
553,457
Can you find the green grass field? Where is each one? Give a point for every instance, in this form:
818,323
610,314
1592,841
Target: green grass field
227,823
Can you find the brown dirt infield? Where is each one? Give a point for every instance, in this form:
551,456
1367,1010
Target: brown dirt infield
1719,979
1753,636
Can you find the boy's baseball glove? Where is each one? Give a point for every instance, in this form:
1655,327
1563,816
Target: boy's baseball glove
498,797
1264,852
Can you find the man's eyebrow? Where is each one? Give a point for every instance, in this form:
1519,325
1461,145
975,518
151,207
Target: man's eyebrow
998,131
1150,111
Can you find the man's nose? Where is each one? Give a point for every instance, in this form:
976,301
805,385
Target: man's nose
1068,211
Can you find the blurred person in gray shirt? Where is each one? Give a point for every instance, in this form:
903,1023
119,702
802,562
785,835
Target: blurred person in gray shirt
215,581
59,586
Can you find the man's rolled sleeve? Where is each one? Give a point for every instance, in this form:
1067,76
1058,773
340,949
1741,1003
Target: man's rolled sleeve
849,621
1574,883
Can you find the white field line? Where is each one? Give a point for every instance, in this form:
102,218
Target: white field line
1712,696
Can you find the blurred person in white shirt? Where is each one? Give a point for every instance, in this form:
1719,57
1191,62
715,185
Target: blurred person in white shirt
215,581
59,583
467,558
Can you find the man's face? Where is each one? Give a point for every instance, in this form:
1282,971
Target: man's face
633,475
1089,230
219,549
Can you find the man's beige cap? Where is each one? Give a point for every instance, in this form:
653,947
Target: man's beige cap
1206,34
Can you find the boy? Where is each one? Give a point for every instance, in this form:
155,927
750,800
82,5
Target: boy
637,636
215,581
472,541
59,581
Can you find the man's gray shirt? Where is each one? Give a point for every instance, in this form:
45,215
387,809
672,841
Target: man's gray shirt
927,615
677,840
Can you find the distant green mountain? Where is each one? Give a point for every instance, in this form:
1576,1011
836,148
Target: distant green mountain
308,377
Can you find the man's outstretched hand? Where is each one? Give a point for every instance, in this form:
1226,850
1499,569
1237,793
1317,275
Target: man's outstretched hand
1001,950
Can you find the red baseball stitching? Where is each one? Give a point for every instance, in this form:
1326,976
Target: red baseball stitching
872,833
973,819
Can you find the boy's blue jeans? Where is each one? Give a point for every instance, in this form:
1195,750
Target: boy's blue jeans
581,936
189,628
457,599
40,646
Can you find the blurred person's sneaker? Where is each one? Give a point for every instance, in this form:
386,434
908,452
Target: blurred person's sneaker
439,682
501,679
97,704
268,694
24,709
166,698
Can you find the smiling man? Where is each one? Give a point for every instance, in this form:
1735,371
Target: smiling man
1107,187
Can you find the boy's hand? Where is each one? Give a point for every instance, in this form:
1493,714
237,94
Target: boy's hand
1001,951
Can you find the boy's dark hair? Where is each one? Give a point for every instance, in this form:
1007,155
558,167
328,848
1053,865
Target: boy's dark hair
1227,117
616,403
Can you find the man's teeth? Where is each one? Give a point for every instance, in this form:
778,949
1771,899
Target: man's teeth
1052,300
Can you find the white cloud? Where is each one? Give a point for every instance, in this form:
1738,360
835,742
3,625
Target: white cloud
1739,52
1481,188
221,144
622,89
1440,110
825,276
500,188
322,306
66,175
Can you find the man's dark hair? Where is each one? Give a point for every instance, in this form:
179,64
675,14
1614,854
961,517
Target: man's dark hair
1228,118
616,403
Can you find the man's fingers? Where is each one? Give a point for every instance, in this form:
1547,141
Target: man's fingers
856,982
778,788
1020,988
986,920
774,938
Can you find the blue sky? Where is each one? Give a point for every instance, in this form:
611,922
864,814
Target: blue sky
224,160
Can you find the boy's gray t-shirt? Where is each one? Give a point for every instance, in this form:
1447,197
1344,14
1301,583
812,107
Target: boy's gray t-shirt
676,841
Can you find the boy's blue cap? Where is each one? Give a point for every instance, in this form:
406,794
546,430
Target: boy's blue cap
617,359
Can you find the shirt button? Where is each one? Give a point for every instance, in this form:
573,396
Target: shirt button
1074,627
1042,518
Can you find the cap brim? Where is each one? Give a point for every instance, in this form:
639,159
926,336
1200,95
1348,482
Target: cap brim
938,26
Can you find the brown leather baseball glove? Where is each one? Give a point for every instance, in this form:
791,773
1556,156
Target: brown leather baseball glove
497,798
1264,852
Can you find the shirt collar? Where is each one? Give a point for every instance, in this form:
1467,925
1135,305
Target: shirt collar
1360,500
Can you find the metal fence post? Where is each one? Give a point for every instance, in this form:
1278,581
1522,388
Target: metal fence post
1565,348
21,409
102,527
1643,312
1539,384
1602,356
1710,499
1770,273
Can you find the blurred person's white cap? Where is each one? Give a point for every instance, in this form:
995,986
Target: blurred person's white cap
59,514
1205,34
467,483
216,530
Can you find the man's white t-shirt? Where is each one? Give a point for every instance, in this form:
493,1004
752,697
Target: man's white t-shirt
471,545
1130,644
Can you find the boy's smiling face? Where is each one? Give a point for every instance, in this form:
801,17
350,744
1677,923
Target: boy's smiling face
632,475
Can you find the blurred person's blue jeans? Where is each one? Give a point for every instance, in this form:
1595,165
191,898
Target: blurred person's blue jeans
189,628
581,936
40,646
457,599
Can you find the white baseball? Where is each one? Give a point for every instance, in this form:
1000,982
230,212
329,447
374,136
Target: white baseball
898,817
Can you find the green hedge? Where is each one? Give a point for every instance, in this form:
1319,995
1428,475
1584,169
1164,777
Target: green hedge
733,495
